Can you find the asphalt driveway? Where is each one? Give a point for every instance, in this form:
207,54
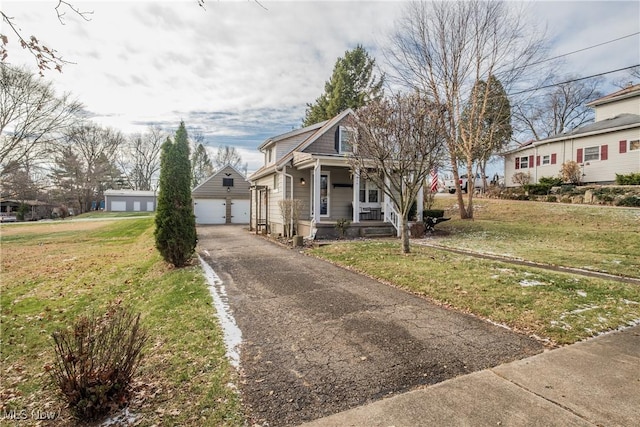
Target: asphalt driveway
319,339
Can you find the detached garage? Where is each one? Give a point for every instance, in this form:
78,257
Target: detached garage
223,198
129,201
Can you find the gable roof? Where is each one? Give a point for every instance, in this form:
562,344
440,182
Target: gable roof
320,129
216,173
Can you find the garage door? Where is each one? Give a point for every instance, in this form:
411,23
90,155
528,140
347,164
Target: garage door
240,211
210,211
118,206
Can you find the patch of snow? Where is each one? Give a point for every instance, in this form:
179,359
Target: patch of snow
581,293
527,283
232,334
124,417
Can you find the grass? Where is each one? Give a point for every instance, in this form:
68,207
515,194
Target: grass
54,271
597,238
556,307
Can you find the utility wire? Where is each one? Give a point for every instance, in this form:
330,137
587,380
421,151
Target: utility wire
579,50
574,80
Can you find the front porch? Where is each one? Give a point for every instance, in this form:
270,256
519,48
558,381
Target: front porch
364,228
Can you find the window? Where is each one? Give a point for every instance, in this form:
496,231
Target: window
591,153
546,160
634,145
324,194
524,162
227,182
344,140
369,192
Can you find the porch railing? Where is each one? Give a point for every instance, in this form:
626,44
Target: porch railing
392,216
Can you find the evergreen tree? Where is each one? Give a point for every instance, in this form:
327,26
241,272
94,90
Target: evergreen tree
175,222
201,165
486,121
352,85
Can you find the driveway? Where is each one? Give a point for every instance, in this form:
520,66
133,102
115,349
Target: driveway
319,339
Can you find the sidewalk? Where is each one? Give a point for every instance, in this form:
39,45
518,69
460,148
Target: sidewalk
591,383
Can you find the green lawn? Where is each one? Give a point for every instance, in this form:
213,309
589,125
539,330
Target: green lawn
556,307
54,271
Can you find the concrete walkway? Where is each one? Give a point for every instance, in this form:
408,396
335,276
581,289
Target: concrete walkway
592,383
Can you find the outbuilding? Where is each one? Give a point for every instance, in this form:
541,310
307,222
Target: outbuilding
130,201
223,198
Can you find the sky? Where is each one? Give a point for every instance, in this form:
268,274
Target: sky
239,72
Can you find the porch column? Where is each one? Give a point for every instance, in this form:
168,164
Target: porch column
356,196
316,192
386,201
420,202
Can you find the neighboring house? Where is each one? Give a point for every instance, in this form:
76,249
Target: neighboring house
35,210
608,146
129,201
223,198
311,165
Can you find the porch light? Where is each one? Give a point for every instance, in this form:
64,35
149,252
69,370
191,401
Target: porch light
302,181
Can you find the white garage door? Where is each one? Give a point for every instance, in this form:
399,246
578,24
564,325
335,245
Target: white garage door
209,211
118,206
240,211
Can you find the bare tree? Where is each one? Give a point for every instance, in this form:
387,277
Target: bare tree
227,155
396,143
45,57
443,48
139,158
560,109
85,163
32,116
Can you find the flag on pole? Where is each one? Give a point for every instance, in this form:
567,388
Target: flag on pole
434,180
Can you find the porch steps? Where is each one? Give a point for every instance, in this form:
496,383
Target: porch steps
387,231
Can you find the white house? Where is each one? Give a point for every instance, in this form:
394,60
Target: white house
608,146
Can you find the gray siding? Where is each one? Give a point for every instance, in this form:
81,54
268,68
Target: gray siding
325,144
130,202
287,145
212,188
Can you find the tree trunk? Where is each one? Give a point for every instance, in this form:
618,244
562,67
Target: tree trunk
404,233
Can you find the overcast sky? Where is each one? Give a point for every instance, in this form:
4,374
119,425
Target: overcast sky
240,73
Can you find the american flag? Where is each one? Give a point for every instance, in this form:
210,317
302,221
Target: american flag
434,180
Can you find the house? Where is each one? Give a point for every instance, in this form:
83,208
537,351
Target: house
608,146
130,201
223,198
312,165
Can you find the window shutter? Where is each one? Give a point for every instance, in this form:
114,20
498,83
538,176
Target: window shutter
604,152
337,140
531,161
553,158
537,160
517,162
579,155
623,146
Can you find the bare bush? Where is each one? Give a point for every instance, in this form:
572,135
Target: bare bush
96,359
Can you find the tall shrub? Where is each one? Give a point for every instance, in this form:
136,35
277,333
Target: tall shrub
175,222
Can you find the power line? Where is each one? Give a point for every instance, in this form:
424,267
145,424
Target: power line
579,50
574,80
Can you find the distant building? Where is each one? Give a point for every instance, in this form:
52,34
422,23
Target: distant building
130,201
608,146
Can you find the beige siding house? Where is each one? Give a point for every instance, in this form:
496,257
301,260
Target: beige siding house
223,198
608,146
311,165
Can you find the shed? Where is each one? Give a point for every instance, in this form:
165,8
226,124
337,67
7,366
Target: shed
223,198
129,201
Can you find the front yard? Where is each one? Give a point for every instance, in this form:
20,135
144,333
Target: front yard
557,308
